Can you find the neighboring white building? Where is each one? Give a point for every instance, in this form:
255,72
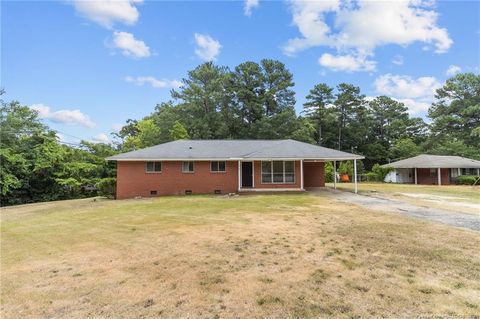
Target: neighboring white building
400,175
431,169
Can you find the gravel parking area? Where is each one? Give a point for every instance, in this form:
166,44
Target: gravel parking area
370,201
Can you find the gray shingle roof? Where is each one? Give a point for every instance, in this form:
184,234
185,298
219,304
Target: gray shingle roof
435,161
234,149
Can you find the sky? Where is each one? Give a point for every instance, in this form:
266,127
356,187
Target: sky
88,66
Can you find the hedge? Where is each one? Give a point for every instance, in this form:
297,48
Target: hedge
107,186
467,180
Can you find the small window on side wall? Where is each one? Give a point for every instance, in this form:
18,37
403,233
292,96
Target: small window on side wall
217,166
153,167
187,167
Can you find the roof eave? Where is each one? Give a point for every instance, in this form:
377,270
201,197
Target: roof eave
326,159
430,166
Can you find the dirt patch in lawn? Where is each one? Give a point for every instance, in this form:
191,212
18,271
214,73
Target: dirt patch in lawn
450,203
275,256
462,199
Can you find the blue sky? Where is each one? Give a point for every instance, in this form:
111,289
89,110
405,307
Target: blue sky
87,66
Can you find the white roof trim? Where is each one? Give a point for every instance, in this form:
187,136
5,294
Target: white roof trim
234,159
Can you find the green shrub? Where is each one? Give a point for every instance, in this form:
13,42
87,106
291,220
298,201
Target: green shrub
369,177
467,180
107,187
329,172
343,167
380,172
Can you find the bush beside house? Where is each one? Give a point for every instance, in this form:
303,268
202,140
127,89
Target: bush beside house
468,180
107,187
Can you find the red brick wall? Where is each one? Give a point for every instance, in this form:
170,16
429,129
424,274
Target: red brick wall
313,174
132,180
258,177
424,178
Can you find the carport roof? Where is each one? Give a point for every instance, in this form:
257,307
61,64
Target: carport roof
435,161
234,150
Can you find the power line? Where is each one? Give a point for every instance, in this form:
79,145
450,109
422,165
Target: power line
32,132
71,144
43,135
68,134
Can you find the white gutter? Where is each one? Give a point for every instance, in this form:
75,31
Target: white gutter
234,159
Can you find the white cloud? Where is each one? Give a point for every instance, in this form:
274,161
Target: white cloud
309,17
108,12
347,63
358,27
406,87
129,45
248,7
116,127
206,48
453,69
60,137
398,60
415,107
417,94
101,138
154,82
71,117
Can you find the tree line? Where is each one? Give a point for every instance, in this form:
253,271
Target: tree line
35,166
257,101
251,101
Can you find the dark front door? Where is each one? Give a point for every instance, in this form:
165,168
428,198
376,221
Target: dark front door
247,172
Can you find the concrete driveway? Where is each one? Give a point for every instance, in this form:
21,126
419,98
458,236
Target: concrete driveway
457,219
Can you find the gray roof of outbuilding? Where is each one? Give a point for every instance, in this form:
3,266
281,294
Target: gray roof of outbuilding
234,150
435,161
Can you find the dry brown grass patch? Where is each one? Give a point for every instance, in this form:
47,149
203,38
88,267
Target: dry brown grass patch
260,257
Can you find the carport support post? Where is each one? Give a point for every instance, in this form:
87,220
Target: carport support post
355,175
439,173
301,174
335,174
415,176
239,175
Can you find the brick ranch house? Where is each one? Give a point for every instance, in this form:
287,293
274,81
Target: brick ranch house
431,169
223,166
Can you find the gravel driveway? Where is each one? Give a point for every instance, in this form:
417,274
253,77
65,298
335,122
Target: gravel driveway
456,219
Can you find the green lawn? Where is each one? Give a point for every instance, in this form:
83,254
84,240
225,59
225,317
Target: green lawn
295,256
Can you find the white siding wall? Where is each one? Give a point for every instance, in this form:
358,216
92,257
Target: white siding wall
401,175
391,177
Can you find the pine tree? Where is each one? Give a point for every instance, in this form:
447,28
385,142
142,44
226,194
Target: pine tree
316,108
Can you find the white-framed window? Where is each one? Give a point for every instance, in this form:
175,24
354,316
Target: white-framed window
217,166
278,172
469,171
153,167
187,167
